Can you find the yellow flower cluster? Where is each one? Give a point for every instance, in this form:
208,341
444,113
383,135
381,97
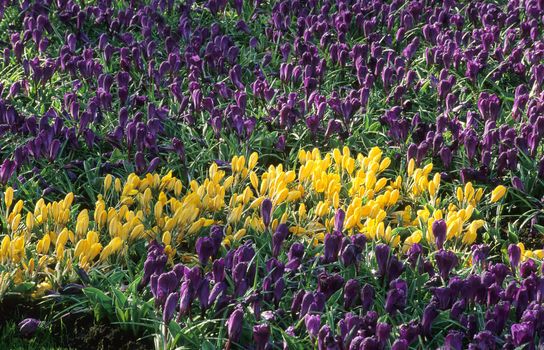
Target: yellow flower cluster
530,254
43,245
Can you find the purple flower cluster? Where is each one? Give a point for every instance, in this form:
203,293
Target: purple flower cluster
133,81
488,307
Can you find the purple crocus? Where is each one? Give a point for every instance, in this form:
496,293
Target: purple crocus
367,297
186,298
400,344
514,254
389,266
440,229
382,257
396,296
383,330
339,220
266,211
313,323
479,253
351,293
445,261
453,341
261,334
278,237
28,326
204,248
331,247
234,324
429,315
169,307
326,339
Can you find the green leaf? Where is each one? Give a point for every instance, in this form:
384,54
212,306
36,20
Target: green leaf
99,298
539,228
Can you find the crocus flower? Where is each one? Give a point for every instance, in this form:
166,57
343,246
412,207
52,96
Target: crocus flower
204,248
331,247
382,258
234,324
479,253
28,326
313,323
296,251
351,293
483,340
169,307
266,211
278,237
218,270
326,339
339,220
389,267
497,193
429,315
367,297
382,332
527,268
457,309
400,344
439,231
410,331
396,297
261,334
445,260
217,291
328,284
514,254
453,341
186,297
348,256
166,284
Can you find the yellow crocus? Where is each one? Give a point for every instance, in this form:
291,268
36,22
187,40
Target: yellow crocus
497,193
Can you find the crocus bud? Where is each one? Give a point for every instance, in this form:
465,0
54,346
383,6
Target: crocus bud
278,237
28,326
445,260
312,322
454,340
218,270
326,339
522,333
296,251
217,292
400,344
331,247
382,258
204,249
514,254
266,211
396,299
457,309
479,253
339,220
234,324
348,255
261,334
383,330
169,307
440,229
429,315
351,291
328,284
367,297
186,297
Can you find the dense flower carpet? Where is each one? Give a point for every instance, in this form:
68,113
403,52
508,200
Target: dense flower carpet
330,175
